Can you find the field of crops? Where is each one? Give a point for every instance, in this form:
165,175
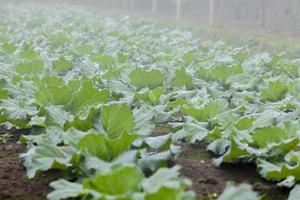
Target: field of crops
108,107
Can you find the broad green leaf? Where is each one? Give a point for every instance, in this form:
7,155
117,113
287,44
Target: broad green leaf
62,65
154,95
96,146
120,180
121,144
59,39
54,95
64,189
29,54
206,113
88,96
83,123
242,191
276,91
266,136
103,60
182,79
163,177
117,119
237,150
165,194
32,68
3,94
244,123
9,48
277,172
45,157
222,72
105,148
83,49
142,79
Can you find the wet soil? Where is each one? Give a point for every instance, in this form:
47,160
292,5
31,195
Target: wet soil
13,182
209,181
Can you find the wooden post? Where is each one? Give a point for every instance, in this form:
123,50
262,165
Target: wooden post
154,4
263,13
132,5
178,9
211,12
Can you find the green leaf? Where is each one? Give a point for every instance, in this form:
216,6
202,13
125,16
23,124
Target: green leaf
188,58
54,95
276,91
142,79
164,193
165,184
192,131
121,144
206,113
3,94
83,49
64,189
244,123
154,95
222,72
56,116
182,79
88,96
266,136
62,65
119,180
29,54
32,68
9,48
117,119
237,150
104,61
83,123
105,148
95,145
162,177
45,157
279,171
162,142
59,39
242,191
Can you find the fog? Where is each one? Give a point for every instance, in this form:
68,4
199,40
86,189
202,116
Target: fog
277,16
271,16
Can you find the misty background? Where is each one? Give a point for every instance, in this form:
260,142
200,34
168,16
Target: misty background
270,18
276,16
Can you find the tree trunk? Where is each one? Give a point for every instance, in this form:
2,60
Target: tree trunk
178,9
211,12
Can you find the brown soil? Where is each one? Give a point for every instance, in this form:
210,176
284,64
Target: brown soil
13,182
209,181
196,163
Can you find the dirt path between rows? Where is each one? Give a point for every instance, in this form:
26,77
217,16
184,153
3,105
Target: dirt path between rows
13,182
208,180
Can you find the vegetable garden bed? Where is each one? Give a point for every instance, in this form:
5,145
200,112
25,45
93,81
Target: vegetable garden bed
109,108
